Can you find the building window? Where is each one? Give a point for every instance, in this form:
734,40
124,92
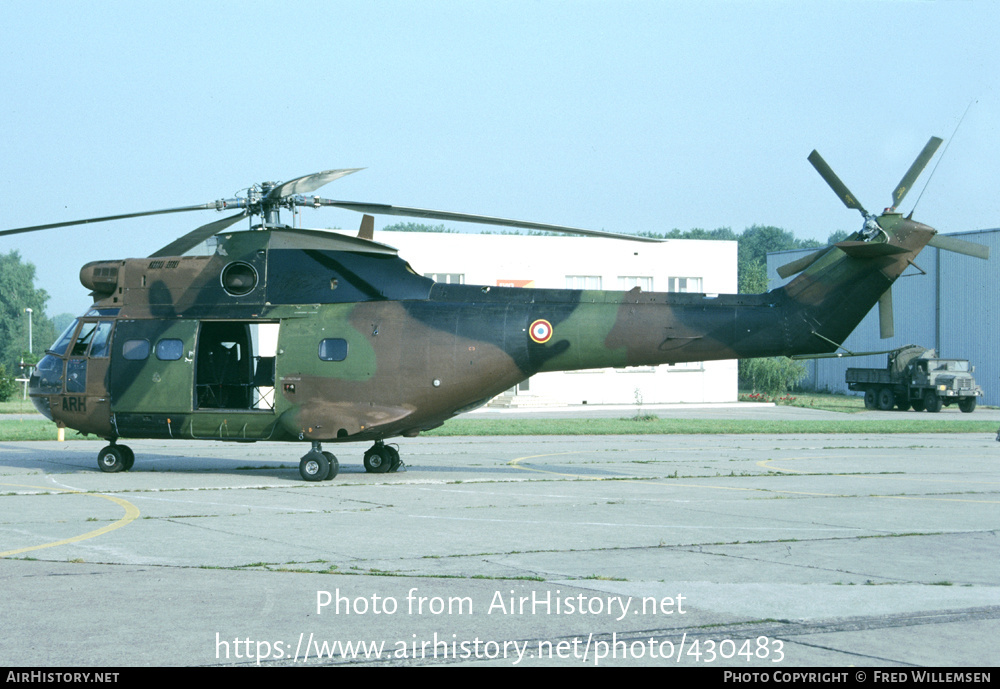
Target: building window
583,282
447,278
627,282
684,285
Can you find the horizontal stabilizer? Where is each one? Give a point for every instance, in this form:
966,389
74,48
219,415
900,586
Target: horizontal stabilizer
869,249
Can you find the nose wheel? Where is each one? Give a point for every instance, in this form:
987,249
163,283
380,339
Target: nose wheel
381,458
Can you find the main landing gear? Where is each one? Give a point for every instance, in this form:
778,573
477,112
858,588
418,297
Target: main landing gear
114,458
317,465
381,458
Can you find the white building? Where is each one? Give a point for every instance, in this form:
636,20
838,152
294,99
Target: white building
560,262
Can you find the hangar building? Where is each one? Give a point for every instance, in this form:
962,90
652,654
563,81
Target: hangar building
567,262
953,306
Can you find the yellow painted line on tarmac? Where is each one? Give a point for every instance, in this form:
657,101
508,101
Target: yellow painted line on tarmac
131,513
517,463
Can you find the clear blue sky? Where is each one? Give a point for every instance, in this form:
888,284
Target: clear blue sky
621,116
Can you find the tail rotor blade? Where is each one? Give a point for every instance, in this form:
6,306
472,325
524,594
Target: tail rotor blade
960,246
839,188
885,325
918,166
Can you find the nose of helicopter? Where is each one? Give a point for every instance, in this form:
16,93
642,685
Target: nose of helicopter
45,380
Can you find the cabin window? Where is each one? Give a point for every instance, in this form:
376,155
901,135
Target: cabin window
135,350
169,349
333,349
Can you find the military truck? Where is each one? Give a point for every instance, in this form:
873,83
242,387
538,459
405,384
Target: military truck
915,378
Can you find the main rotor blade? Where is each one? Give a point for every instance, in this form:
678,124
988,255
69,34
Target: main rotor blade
307,183
960,246
839,188
918,166
885,325
196,237
35,228
385,209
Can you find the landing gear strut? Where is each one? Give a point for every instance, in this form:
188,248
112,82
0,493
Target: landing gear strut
317,465
115,458
381,458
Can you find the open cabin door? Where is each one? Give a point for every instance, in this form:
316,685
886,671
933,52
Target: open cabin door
235,365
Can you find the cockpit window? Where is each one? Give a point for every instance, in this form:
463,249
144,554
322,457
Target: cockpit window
83,339
99,343
63,342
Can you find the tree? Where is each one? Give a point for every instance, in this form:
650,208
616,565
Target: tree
17,293
416,227
771,376
8,386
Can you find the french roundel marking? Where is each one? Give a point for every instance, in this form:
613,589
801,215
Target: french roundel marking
540,331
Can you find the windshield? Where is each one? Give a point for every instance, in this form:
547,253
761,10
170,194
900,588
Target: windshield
63,341
951,366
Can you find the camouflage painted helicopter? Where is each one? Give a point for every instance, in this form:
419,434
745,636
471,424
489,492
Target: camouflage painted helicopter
289,334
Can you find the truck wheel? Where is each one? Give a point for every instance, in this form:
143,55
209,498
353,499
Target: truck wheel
870,399
918,405
886,399
967,404
902,404
932,402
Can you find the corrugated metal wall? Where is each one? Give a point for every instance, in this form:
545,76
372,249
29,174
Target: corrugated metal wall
953,309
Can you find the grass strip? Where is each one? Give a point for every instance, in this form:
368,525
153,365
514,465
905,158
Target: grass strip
18,430
484,427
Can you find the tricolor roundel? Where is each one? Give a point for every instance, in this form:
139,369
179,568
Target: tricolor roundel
540,331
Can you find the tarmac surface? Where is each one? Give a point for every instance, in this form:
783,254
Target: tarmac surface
756,552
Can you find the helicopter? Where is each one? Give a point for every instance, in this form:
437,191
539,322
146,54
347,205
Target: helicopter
300,335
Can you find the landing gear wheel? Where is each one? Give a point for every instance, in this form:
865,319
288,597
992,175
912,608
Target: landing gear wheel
314,466
932,402
129,457
967,404
334,466
111,459
886,399
378,460
871,400
394,461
